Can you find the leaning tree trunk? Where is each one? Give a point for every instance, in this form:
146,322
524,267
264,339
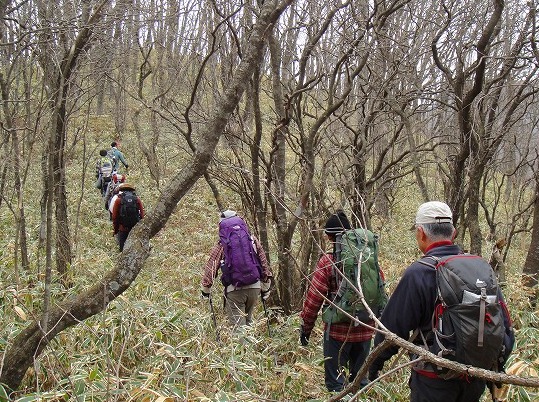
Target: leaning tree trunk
30,342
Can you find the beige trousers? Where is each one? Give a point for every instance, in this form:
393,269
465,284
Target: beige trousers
240,304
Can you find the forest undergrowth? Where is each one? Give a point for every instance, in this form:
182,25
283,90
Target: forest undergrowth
158,341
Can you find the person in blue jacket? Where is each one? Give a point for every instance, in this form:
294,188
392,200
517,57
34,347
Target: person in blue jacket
411,307
117,156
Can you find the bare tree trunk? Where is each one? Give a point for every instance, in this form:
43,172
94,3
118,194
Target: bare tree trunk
465,98
258,190
49,191
359,207
472,217
63,237
148,147
20,218
42,247
530,273
277,181
416,166
60,80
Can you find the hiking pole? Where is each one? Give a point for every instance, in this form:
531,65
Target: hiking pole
266,314
214,319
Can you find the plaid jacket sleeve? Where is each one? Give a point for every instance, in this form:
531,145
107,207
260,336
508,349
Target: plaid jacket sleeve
318,289
266,270
116,214
212,265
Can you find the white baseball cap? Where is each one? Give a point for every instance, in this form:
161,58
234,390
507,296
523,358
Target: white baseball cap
434,212
227,214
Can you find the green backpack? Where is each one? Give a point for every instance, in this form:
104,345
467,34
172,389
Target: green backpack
354,249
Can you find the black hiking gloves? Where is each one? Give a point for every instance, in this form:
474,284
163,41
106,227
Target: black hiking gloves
373,374
304,337
205,292
496,391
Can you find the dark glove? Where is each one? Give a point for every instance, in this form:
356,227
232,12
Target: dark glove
265,295
373,375
304,337
490,387
205,295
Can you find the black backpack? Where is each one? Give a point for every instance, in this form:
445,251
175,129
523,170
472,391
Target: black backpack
129,210
468,322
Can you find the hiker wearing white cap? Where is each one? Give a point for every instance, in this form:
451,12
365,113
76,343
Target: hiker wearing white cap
434,212
415,308
245,273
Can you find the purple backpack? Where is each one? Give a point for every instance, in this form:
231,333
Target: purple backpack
241,265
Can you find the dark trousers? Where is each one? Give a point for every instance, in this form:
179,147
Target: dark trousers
425,389
340,356
104,186
122,237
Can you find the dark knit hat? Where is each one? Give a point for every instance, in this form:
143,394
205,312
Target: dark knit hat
337,223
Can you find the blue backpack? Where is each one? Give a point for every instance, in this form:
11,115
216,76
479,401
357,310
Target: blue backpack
241,265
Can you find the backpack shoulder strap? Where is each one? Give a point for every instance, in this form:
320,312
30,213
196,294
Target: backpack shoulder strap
338,247
337,263
326,261
423,260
